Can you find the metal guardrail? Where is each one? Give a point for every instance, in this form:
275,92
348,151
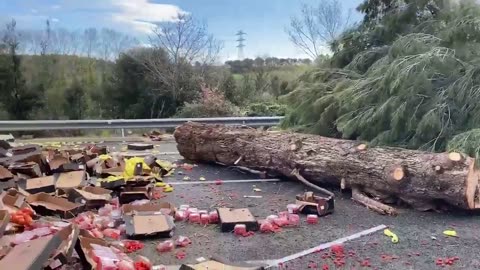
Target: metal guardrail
132,123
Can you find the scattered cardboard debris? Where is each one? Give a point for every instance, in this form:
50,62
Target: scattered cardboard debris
130,194
70,180
230,217
309,203
144,225
162,207
34,254
49,205
44,184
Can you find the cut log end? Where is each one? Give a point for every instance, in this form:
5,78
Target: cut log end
398,173
473,190
362,147
453,156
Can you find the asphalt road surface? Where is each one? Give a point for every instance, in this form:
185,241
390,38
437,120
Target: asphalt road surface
421,241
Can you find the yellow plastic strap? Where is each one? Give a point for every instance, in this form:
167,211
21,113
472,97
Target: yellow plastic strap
392,235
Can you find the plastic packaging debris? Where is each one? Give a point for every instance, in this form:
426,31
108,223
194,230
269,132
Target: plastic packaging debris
293,208
281,221
194,217
392,235
140,202
165,246
112,233
168,188
240,229
450,233
125,265
266,227
142,263
202,178
312,219
182,241
180,215
293,220
257,190
204,219
130,165
186,178
132,245
218,182
96,233
213,217
29,235
180,255
271,218
106,210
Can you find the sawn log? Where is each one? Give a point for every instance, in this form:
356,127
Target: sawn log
423,180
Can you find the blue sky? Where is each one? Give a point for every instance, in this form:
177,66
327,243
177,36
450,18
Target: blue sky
264,21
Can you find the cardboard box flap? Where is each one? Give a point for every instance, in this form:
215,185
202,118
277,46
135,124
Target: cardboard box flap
69,180
47,204
40,184
4,219
89,196
130,194
57,161
68,236
14,201
31,255
162,207
220,264
149,224
31,169
5,174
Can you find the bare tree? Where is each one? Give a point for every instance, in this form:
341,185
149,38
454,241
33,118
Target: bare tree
45,43
90,39
184,42
318,26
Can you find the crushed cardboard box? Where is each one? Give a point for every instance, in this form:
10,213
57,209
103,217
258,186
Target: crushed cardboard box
142,225
71,180
4,220
14,201
165,208
63,253
92,197
130,194
219,264
309,203
230,217
30,168
31,255
44,184
45,204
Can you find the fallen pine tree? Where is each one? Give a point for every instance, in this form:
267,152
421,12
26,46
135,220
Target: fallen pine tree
376,176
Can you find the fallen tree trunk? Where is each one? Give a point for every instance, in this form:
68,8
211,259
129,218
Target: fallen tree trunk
423,180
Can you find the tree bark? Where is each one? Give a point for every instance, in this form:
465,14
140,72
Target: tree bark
423,180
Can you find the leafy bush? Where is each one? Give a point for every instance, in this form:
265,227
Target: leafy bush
211,104
266,109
